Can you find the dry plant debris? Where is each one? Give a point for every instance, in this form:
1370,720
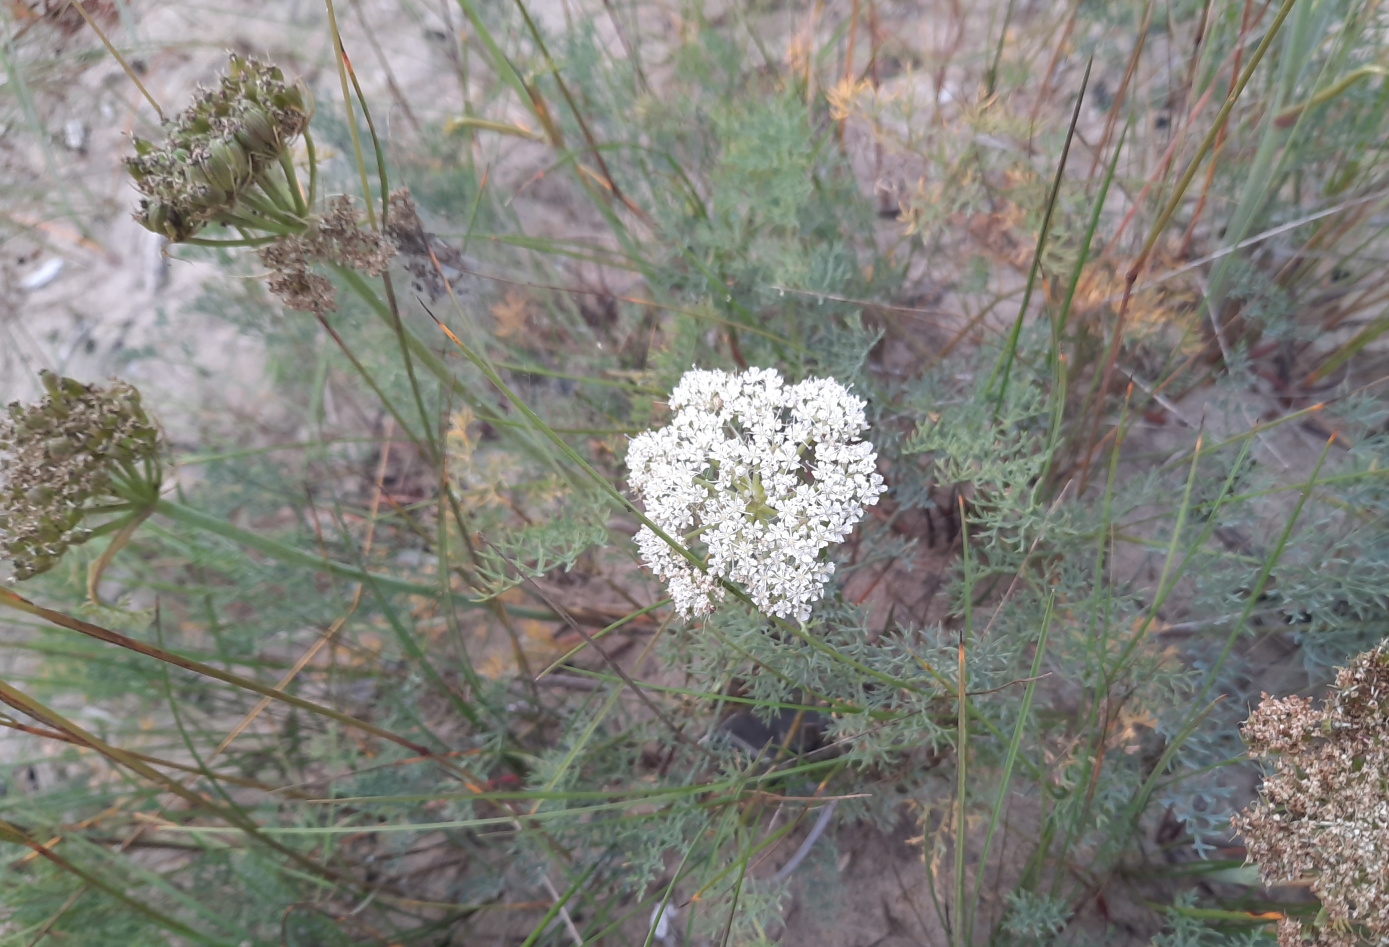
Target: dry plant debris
1324,816
336,237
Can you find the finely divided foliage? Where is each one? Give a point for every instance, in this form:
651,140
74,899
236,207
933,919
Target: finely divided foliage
764,476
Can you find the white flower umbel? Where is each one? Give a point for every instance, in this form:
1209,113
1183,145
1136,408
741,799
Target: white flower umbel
764,476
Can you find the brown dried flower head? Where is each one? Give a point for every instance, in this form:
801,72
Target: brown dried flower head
336,237
82,447
1324,815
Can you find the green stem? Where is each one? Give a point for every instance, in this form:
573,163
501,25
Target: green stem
301,207
1011,758
292,555
248,242
255,222
367,377
313,169
17,836
573,455
1291,113
1207,143
397,323
270,211
963,935
426,356
97,568
341,57
278,195
10,599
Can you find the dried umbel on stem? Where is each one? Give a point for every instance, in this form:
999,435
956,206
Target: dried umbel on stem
83,449
335,238
226,158
759,477
1324,816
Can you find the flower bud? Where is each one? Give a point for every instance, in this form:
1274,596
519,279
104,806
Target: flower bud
34,566
219,174
257,134
208,198
154,216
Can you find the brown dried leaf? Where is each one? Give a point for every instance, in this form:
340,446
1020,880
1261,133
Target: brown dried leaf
511,314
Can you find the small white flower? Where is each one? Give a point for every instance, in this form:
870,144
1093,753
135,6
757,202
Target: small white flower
761,474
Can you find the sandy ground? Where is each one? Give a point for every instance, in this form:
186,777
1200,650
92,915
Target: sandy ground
87,292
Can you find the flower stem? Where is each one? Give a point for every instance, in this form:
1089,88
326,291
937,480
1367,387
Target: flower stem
254,222
313,169
301,207
267,209
291,555
245,242
97,568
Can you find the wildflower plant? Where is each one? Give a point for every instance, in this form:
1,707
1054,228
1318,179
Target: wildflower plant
228,159
1009,657
763,476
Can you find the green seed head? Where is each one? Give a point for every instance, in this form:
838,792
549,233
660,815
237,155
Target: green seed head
226,166
58,457
216,148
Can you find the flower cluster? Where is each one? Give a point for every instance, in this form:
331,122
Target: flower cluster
79,445
225,158
336,237
1324,816
763,476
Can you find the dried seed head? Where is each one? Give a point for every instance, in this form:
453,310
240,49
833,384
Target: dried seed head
336,237
304,291
1324,815
79,445
404,226
216,147
339,238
